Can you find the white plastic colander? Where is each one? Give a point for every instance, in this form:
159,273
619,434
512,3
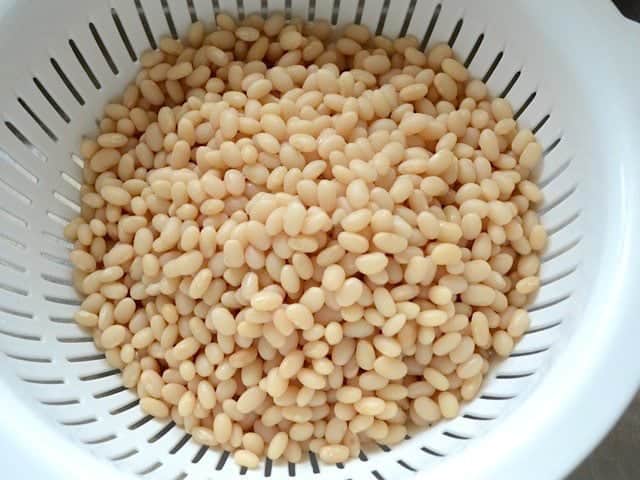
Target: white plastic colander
567,68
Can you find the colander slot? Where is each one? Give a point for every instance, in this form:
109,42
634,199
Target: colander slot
192,11
430,451
99,375
457,436
268,464
103,49
359,11
15,193
124,455
169,18
287,9
363,456
510,85
86,358
264,8
493,67
548,207
58,219
199,454
543,182
555,254
377,475
539,332
14,266
110,392
311,10
83,63
544,327
65,79
541,123
8,264
181,443
25,358
553,145
99,440
384,448
474,50
64,301
383,17
407,18
525,105
124,408
562,225
25,141
60,403
123,35
75,158
137,424
149,469
161,433
180,476
14,289
335,10
214,3
455,33
406,466
18,313
559,276
81,421
43,381
510,376
75,340
314,462
55,259
480,418
292,469
240,8
14,218
5,157
12,241
63,242
243,470
145,24
223,459
61,320
70,180
431,26
45,93
529,352
66,201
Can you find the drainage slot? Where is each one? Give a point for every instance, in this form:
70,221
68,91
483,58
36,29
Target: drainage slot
85,66
51,100
103,49
432,25
123,35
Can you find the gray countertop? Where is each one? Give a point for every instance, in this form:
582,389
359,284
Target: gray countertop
618,456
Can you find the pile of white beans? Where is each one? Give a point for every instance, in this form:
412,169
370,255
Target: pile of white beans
294,239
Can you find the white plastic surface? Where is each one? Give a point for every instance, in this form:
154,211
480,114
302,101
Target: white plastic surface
565,68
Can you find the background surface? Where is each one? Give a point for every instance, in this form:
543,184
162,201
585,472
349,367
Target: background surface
618,456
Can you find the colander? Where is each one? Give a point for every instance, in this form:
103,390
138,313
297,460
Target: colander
568,70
